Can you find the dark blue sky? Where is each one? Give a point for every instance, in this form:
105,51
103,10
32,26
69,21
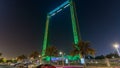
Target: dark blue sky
22,24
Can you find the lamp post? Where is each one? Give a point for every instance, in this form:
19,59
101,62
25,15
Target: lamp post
62,54
40,57
116,46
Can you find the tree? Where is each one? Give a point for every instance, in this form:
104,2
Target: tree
34,55
111,55
100,57
0,54
21,57
51,51
83,49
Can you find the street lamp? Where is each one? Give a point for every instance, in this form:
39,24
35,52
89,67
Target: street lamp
40,58
116,46
61,53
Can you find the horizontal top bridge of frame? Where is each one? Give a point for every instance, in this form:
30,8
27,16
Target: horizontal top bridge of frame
59,8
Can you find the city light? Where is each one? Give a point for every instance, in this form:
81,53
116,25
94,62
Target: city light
116,46
66,5
59,10
60,53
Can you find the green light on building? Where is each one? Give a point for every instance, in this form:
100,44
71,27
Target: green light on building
73,19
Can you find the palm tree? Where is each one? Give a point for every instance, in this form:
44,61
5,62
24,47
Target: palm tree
34,55
51,51
21,57
0,54
83,49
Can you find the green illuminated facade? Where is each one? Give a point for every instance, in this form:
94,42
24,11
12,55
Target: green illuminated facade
45,36
75,31
73,19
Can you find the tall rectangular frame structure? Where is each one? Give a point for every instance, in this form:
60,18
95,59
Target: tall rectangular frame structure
73,19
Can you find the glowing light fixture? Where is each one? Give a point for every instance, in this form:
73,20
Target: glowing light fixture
116,45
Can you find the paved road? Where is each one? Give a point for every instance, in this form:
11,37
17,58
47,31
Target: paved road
87,67
69,67
5,66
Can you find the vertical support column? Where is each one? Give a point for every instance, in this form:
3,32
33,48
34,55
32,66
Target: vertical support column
74,25
75,33
45,36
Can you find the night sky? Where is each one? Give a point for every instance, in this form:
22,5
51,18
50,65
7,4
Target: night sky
22,24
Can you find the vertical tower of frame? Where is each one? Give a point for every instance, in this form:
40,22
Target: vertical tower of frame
45,36
74,26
